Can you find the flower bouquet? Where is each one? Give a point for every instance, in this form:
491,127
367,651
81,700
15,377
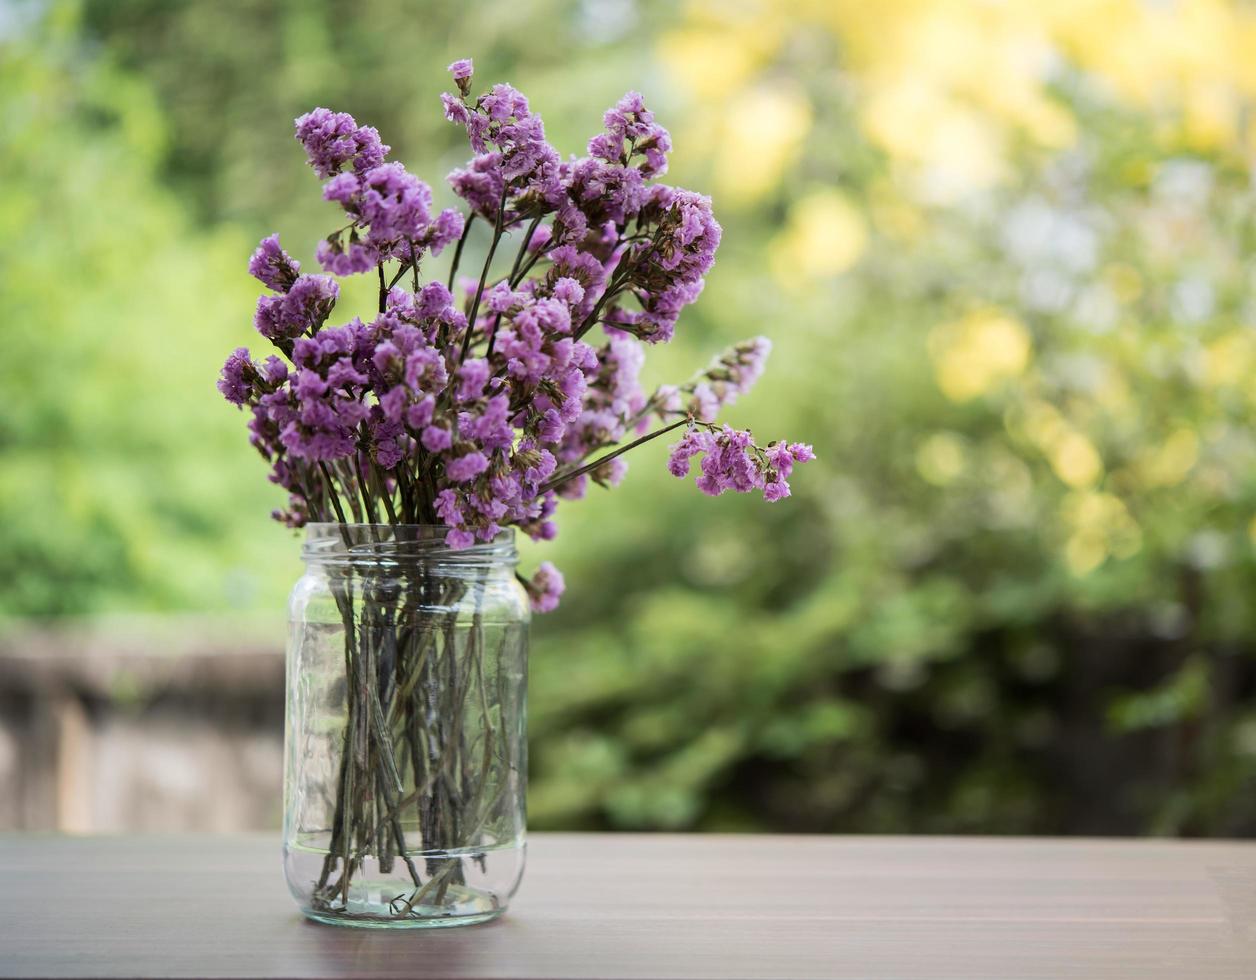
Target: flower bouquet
412,445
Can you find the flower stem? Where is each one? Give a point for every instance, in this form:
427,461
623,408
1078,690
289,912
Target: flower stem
462,240
479,290
571,475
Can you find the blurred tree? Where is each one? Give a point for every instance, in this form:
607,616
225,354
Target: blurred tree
1002,250
113,482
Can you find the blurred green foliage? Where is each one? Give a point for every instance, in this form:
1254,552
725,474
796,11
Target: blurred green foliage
1001,250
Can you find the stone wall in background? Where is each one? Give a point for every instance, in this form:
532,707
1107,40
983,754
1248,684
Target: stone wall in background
153,725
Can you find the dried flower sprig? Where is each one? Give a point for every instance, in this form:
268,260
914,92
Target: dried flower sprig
481,412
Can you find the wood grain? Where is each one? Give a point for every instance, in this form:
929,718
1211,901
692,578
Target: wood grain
667,906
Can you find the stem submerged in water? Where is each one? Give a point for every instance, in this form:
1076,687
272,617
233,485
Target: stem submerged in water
414,781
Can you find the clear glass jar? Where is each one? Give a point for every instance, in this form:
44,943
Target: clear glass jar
405,744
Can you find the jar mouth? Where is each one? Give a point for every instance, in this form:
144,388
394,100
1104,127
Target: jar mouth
353,543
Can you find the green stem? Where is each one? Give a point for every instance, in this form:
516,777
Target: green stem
479,290
571,475
457,260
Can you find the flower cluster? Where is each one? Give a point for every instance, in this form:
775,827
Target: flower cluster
731,461
482,409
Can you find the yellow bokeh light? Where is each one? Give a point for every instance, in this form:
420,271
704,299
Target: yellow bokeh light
1228,359
1124,280
941,459
709,63
1101,527
1168,463
975,353
825,235
1075,460
950,89
761,136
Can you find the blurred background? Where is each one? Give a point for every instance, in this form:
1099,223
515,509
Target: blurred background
1002,249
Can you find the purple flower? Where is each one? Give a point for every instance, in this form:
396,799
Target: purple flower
274,371
545,588
342,261
567,290
728,377
691,444
444,231
550,427
394,205
480,184
456,110
389,442
776,490
420,404
435,439
272,266
472,377
669,269
236,382
303,310
632,132
515,171
732,461
467,467
343,189
459,538
333,139
461,70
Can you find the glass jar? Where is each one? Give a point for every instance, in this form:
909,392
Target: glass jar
405,745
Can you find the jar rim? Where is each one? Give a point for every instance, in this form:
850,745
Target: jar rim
336,542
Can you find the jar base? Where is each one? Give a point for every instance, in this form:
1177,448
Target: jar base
414,922
454,887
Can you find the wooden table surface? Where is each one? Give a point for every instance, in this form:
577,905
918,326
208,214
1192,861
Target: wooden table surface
637,906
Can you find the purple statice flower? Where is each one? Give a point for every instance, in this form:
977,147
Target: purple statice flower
302,310
730,460
456,110
489,425
667,400
393,206
389,442
632,132
464,468
704,405
346,260
490,409
236,383
540,238
545,587
274,267
473,375
334,139
480,184
606,191
515,171
670,268
442,232
730,464
735,372
436,438
323,404
274,371
729,376
390,206
408,371
613,395
692,443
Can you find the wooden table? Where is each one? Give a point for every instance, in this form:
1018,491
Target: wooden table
635,906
